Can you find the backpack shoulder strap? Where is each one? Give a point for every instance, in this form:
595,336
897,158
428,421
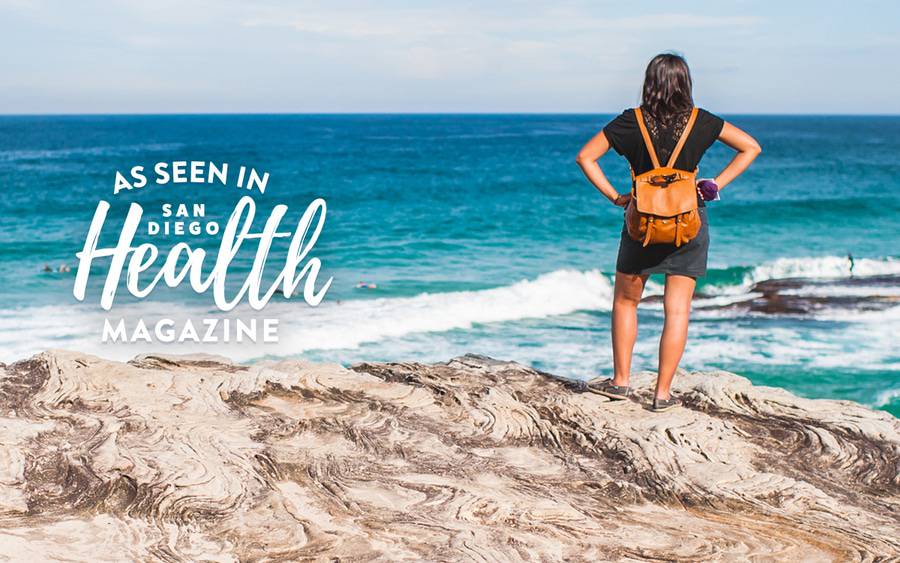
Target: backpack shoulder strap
684,136
639,116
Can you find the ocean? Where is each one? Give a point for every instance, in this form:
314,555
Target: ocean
481,236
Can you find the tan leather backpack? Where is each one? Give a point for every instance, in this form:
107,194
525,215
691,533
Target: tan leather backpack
663,207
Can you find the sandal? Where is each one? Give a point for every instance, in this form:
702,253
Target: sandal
662,405
606,388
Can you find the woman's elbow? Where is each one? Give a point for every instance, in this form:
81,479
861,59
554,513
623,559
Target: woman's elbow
751,149
582,158
755,148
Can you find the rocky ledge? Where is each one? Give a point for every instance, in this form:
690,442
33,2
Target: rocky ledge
196,458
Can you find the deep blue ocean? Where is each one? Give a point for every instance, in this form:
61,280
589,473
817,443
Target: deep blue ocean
481,236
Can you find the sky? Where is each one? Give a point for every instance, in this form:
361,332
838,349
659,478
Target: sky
226,56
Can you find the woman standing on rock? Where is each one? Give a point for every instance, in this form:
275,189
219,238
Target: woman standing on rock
666,229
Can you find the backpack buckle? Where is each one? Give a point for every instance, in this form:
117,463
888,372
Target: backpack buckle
663,179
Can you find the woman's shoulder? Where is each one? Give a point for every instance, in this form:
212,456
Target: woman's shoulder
707,128
626,118
622,124
621,130
706,118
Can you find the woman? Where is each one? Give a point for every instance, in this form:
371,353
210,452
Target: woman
666,106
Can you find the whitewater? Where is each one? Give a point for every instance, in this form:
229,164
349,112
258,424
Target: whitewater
347,324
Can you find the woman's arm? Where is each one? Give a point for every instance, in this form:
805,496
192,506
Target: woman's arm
587,160
747,150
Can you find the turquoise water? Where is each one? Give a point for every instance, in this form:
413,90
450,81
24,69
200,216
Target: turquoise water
482,237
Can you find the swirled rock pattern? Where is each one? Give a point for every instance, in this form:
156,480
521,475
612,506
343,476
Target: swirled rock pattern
198,459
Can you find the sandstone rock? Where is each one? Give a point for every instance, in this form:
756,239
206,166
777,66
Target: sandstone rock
196,458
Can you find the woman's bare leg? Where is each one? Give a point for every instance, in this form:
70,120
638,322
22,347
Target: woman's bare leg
627,295
679,291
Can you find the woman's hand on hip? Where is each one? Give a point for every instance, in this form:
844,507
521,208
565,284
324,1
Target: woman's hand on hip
622,200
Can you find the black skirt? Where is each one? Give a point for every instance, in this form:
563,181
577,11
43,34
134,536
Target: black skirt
687,260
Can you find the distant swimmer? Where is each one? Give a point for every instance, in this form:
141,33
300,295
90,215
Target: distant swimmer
365,285
47,268
64,268
850,259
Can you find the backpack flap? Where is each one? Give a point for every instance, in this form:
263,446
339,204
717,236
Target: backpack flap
666,192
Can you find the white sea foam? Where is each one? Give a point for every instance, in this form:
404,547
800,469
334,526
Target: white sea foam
887,397
354,322
883,317
331,326
723,300
843,291
822,267
328,326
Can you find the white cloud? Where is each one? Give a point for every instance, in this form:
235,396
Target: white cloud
450,20
271,55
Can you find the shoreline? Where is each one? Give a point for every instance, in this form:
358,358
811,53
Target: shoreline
192,457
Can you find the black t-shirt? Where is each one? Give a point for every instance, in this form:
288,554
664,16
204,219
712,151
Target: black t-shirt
625,137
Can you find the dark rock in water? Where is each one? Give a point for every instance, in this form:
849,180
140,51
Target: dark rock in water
803,296
197,459
775,300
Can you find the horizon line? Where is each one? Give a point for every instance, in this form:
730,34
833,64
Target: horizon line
412,113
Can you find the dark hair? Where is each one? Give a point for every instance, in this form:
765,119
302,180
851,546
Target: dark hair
667,87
